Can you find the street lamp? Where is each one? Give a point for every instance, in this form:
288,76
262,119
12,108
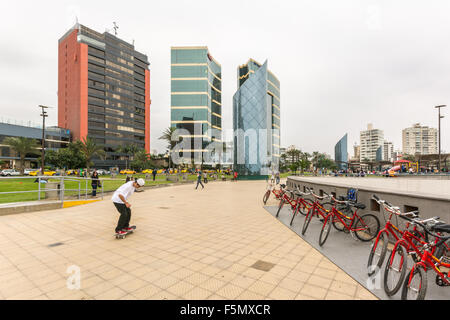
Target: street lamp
439,129
43,115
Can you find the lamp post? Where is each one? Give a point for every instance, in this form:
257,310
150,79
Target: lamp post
439,129
43,115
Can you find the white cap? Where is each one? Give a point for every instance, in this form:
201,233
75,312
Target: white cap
140,182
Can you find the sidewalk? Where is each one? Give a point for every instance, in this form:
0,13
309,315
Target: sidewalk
189,244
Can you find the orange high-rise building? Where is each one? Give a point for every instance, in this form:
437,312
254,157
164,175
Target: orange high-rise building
104,92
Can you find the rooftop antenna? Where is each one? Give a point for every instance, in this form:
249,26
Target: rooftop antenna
115,28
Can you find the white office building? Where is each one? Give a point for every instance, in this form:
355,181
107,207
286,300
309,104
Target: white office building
420,140
371,140
388,151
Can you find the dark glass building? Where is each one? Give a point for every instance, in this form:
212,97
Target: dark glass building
55,138
341,153
256,121
104,92
196,98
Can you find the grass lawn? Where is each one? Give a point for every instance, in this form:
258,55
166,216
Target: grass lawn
71,187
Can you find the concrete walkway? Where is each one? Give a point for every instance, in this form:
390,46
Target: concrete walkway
189,244
416,186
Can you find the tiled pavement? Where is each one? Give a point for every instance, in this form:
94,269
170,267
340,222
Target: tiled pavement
189,244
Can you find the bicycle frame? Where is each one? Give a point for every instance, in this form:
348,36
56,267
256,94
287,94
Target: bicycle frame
318,209
429,261
278,193
337,214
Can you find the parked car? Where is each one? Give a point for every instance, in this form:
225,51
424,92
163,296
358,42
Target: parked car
10,172
46,173
102,172
27,171
127,171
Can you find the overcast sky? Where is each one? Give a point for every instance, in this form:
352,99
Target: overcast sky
341,64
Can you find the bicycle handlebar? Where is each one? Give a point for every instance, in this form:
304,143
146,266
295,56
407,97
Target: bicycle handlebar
302,193
316,196
388,206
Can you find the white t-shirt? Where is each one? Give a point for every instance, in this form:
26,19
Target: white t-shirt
126,190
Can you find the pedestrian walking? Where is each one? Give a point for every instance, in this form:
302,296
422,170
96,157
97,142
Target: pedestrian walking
205,177
199,180
95,183
154,174
235,175
277,177
120,200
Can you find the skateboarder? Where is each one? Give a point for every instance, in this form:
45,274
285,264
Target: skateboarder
120,200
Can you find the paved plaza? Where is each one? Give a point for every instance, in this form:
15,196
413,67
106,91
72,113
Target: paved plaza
189,244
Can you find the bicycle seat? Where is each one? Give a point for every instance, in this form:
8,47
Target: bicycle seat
441,227
359,205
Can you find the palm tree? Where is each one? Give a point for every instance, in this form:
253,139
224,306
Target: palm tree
167,136
130,150
315,158
90,149
22,146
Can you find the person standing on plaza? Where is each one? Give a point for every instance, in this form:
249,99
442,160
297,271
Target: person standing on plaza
95,183
120,200
205,177
235,175
199,180
154,174
277,177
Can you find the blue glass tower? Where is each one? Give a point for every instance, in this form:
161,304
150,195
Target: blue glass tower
256,121
340,153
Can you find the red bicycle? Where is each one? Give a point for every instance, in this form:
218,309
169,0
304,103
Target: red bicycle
411,243
364,227
379,246
296,201
317,209
278,193
415,286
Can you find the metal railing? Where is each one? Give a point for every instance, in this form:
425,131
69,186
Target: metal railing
60,189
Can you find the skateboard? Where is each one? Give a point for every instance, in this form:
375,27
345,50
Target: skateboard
123,236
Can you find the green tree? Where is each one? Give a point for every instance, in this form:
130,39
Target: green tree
293,155
167,136
315,157
304,162
22,146
142,160
90,150
409,157
294,167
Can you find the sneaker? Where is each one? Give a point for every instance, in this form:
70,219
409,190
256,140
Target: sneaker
127,229
121,232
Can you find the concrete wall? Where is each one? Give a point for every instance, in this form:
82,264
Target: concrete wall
427,205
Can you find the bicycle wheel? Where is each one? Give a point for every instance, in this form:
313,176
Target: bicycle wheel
307,220
280,206
337,224
395,270
266,196
421,235
325,229
442,250
303,209
377,253
415,289
367,227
